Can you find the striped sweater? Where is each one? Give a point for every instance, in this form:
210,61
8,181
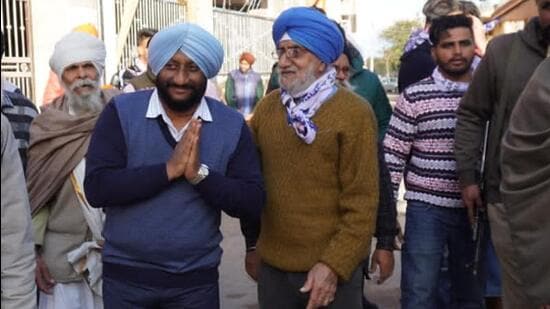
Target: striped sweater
419,141
20,112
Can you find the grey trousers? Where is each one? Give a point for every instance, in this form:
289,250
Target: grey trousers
513,292
279,289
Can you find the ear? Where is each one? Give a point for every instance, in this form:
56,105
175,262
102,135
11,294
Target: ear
322,68
433,54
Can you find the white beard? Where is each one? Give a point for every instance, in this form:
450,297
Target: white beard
89,103
300,85
347,85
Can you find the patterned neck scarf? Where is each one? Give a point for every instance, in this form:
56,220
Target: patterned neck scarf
447,84
301,109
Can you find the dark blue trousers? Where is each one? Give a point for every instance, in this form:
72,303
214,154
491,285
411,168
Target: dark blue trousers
120,293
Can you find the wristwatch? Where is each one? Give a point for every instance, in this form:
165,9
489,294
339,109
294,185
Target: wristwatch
201,174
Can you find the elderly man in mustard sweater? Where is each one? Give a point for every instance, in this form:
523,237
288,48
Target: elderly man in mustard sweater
317,143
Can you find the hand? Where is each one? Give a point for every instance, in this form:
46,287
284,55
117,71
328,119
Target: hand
184,153
321,284
193,163
472,199
252,264
44,280
480,39
382,259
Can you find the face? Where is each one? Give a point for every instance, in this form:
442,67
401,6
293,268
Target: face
342,68
181,84
298,68
244,66
454,52
143,51
81,78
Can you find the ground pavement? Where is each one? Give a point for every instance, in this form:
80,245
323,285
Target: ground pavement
238,291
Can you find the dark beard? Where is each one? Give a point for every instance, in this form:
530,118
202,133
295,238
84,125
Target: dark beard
180,105
455,73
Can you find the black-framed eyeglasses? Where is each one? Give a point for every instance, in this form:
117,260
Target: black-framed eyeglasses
292,52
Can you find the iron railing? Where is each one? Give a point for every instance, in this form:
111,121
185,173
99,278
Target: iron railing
155,14
17,65
239,32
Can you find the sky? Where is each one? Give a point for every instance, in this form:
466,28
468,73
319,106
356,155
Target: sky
373,16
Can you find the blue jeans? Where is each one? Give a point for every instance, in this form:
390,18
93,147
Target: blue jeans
428,229
493,286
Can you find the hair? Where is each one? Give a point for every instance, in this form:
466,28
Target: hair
441,25
437,8
469,8
346,43
144,34
349,50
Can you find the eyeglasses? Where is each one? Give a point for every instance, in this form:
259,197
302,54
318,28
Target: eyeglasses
292,52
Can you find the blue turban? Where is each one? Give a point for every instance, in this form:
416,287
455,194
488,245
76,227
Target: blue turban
312,30
195,42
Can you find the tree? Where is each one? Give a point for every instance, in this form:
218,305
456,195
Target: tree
396,36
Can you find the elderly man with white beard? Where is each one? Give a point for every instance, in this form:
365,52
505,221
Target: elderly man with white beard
67,231
318,149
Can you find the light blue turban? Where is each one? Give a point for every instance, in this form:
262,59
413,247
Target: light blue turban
312,30
195,42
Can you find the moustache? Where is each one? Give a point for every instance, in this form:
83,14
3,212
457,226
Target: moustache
183,87
458,59
83,83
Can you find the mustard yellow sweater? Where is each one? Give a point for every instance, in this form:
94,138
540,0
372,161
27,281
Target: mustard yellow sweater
321,198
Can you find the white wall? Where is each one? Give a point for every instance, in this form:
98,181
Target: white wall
200,13
51,20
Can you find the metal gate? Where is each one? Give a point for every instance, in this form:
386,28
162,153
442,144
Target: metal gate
240,32
155,14
17,65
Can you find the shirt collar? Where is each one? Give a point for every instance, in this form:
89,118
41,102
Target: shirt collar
155,109
142,66
447,84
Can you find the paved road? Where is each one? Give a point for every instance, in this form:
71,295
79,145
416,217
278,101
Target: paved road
238,291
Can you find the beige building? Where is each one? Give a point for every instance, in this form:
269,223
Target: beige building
513,15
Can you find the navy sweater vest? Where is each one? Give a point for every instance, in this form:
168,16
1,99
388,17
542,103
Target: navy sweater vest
178,231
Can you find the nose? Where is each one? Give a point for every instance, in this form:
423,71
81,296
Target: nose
82,72
284,61
181,76
340,75
457,49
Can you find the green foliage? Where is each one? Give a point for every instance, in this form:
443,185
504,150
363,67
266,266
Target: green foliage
396,36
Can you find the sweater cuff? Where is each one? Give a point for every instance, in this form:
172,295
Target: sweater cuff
467,178
385,243
343,264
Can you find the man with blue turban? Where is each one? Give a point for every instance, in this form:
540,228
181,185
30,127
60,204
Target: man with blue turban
164,163
319,160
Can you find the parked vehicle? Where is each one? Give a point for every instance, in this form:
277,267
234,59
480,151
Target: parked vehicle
389,84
